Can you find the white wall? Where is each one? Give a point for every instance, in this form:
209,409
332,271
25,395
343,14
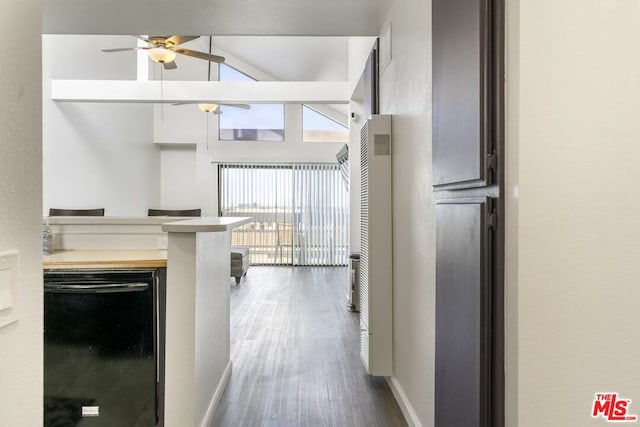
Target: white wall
406,94
96,155
359,50
574,134
178,166
20,211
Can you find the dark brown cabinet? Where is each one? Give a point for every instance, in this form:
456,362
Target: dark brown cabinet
467,164
463,313
462,94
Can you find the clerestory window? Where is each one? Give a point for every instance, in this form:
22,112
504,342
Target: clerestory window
317,127
263,122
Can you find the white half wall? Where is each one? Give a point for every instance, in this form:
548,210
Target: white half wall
405,93
198,335
574,96
20,211
96,155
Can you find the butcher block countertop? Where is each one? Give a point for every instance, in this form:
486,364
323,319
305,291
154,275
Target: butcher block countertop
111,258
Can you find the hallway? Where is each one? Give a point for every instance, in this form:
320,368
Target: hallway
295,354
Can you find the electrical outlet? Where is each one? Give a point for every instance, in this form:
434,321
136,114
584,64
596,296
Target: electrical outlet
163,242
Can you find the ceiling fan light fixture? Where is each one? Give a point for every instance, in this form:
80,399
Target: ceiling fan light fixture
162,55
208,108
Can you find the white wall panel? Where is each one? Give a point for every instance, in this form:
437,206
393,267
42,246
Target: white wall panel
178,177
96,155
405,89
574,239
20,211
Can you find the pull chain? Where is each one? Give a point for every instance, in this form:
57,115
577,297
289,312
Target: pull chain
161,93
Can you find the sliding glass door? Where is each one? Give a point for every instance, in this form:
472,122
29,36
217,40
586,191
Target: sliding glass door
321,213
264,193
299,212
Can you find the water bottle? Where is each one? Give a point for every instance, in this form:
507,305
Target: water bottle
47,238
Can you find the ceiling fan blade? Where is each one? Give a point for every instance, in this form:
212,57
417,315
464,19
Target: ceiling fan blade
201,55
170,65
176,40
183,103
144,39
243,106
120,49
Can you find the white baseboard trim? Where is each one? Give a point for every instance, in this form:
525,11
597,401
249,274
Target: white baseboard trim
405,406
215,400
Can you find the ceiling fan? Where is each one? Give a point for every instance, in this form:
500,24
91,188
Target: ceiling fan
164,49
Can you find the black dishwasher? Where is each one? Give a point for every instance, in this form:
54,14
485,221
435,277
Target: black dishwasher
102,349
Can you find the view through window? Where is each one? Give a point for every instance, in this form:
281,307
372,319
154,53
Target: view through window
299,212
316,127
263,122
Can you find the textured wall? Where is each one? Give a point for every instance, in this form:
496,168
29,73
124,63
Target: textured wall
20,211
574,133
406,94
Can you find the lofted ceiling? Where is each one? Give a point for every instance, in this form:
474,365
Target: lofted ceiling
216,17
287,40
291,58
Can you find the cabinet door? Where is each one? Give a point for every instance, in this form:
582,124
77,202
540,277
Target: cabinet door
463,314
461,92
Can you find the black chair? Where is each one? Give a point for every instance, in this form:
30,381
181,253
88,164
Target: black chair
173,212
76,212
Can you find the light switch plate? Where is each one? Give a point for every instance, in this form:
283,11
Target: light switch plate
8,287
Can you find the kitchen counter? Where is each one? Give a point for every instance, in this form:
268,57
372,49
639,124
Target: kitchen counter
205,224
124,258
123,233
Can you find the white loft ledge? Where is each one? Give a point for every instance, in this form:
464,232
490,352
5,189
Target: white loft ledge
222,92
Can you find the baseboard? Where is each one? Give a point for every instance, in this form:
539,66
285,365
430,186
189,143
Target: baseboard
215,400
405,406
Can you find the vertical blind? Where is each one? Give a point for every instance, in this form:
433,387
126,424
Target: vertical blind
299,211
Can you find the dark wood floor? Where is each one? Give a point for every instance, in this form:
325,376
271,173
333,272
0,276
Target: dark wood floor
295,354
